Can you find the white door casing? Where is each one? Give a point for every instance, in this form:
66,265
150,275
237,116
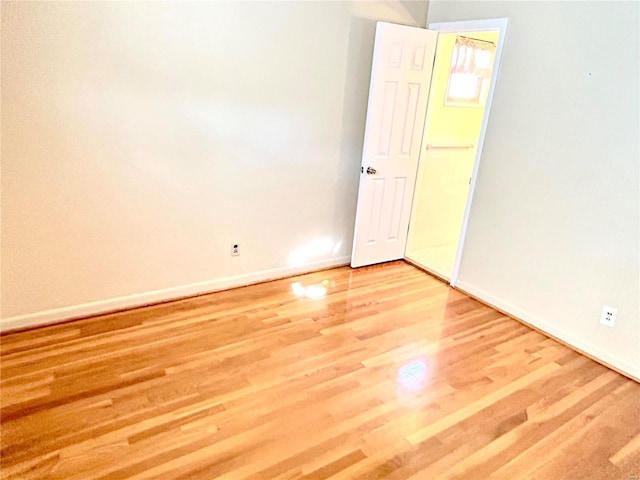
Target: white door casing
398,94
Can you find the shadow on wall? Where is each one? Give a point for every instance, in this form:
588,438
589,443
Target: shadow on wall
419,10
362,31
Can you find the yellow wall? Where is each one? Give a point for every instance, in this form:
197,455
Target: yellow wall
449,122
443,175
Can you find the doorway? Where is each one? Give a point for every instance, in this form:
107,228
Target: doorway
393,143
457,100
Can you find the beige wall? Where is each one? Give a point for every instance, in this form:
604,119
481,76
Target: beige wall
141,139
554,229
443,174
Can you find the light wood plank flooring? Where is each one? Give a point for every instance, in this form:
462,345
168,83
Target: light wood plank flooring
389,374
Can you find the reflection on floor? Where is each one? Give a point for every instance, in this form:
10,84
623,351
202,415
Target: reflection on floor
367,373
438,260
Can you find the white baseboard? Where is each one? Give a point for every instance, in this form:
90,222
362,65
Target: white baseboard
156,296
605,357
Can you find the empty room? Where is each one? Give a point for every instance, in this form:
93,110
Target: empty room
320,239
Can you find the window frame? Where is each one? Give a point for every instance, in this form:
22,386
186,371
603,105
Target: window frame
463,66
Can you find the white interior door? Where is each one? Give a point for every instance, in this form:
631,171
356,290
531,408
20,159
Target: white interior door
400,79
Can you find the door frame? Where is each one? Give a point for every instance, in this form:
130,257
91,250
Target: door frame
493,24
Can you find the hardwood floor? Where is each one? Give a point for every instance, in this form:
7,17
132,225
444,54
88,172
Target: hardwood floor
390,374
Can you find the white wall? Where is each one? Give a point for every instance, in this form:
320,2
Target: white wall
141,139
554,228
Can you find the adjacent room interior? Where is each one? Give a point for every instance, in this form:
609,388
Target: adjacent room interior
457,100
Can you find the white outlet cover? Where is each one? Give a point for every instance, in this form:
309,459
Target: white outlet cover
608,316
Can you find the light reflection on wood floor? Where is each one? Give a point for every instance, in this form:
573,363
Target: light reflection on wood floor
380,372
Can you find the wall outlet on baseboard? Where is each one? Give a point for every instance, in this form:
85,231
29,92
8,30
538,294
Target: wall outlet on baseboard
608,316
235,250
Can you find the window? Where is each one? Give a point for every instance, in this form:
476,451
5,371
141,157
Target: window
470,74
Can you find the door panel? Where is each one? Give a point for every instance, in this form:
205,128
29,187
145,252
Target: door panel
398,93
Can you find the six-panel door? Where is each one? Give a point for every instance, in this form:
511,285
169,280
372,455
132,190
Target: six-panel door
400,79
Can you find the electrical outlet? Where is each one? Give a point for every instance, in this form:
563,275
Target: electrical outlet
608,316
235,250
